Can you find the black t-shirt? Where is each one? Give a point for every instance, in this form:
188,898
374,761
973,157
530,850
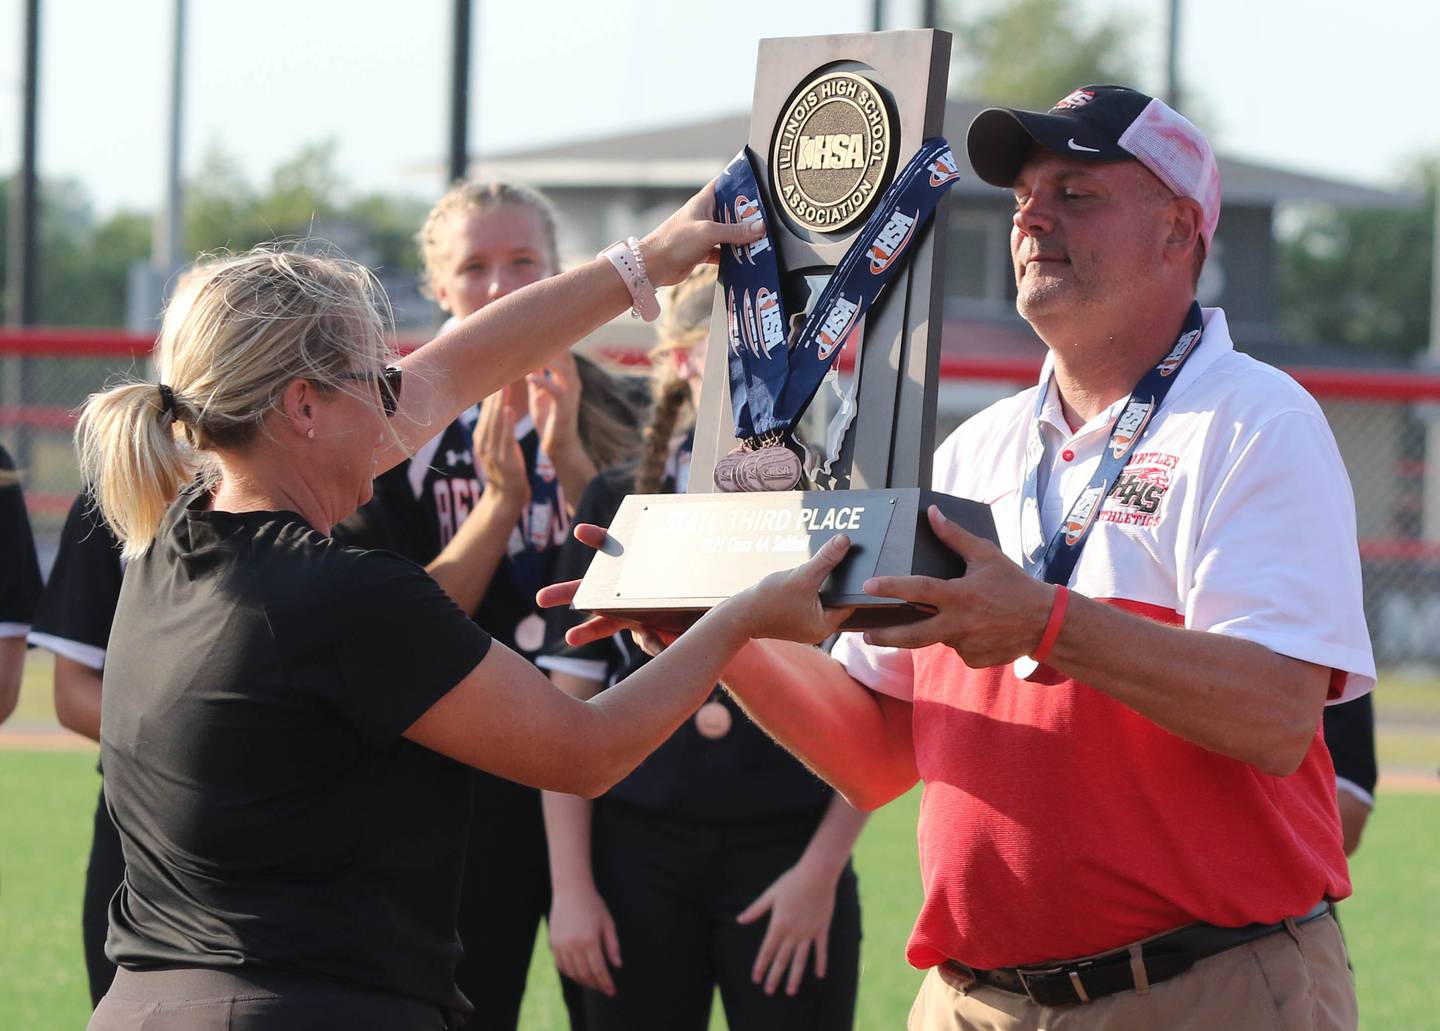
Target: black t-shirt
75,612
742,775
19,570
1350,736
419,504
258,679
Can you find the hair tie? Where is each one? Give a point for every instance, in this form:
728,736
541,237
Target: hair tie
167,400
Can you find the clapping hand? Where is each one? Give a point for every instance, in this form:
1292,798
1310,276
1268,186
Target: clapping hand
497,452
555,405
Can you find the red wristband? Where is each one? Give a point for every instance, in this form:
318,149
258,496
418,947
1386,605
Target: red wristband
1053,624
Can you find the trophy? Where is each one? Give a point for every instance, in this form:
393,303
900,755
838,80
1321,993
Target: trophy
848,169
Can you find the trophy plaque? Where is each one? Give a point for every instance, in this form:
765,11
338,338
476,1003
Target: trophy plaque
847,166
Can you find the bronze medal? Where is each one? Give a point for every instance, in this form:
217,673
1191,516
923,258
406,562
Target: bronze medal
777,468
713,720
724,474
747,473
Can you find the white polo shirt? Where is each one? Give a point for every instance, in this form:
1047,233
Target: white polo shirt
1234,513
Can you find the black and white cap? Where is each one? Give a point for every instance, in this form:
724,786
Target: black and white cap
1102,123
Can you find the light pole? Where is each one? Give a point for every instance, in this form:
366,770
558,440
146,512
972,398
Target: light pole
460,93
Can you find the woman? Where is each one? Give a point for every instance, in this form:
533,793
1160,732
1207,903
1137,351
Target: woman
721,862
72,621
484,506
19,583
283,715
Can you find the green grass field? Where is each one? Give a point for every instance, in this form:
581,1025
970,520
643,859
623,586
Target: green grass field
1392,923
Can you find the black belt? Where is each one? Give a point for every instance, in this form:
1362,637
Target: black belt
1163,957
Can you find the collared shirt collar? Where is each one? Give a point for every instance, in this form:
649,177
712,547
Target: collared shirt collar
1214,344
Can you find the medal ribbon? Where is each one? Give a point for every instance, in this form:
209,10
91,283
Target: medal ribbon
1064,548
771,384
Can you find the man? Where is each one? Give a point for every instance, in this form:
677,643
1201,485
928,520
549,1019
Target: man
1139,830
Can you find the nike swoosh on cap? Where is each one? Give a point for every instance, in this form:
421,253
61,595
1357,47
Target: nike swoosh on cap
1077,146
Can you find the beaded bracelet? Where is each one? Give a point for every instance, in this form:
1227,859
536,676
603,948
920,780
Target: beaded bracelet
626,257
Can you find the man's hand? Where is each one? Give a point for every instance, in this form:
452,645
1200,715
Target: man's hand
992,615
801,903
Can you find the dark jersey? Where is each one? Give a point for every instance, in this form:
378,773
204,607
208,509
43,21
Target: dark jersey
258,682
740,775
1350,736
420,504
19,570
75,612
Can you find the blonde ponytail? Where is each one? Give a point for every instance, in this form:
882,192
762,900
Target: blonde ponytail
132,459
237,332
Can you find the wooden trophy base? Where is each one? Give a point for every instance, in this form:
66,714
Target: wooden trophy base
671,557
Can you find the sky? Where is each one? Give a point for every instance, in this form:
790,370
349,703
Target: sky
1330,87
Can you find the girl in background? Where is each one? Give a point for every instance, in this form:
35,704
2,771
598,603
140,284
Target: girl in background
73,622
484,506
721,862
19,583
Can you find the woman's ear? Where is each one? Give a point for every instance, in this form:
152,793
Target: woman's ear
297,405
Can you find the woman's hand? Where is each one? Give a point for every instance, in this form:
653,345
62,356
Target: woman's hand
801,903
582,938
786,605
691,236
497,453
555,405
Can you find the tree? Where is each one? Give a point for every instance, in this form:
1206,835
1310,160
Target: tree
1031,53
1361,279
82,264
85,262
221,206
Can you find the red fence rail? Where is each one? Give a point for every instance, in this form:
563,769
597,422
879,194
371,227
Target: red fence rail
1322,382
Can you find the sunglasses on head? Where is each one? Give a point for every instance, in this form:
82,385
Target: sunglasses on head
390,381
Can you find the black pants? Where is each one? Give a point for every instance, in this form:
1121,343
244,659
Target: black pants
196,999
505,895
674,889
103,875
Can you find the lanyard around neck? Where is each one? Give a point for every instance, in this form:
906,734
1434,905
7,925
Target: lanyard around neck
1065,545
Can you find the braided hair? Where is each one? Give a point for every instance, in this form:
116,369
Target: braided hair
683,324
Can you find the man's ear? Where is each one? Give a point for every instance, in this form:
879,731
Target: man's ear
297,405
1183,230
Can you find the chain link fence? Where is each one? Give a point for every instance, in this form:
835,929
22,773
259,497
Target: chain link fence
1385,423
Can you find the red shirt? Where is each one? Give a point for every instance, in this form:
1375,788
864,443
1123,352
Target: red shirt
1005,762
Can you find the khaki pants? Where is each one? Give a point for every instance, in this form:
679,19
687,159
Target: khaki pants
1294,979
